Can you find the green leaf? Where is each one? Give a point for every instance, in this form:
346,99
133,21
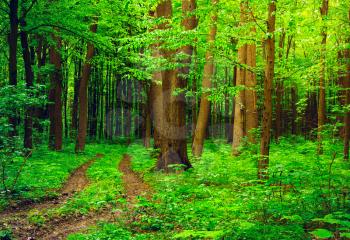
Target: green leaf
322,233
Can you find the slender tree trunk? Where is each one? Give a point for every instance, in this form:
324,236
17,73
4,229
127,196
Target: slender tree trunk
29,76
239,126
83,88
279,91
55,106
12,42
322,85
347,102
147,121
204,109
77,76
263,163
294,109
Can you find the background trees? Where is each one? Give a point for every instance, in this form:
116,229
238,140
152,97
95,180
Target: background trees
191,70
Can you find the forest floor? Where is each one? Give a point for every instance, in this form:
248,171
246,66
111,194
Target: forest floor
16,217
116,194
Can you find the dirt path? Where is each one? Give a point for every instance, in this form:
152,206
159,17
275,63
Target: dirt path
16,216
134,186
60,228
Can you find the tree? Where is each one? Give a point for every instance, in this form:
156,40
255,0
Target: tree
246,114
12,43
29,76
173,144
263,163
55,101
204,108
83,93
322,85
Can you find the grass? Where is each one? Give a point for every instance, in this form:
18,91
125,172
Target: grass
220,198
105,185
44,173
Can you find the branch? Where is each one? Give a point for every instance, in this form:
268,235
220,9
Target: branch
29,9
67,30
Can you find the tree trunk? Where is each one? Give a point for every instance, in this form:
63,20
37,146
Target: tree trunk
322,90
12,42
204,109
263,163
29,77
83,88
239,126
294,109
246,115
55,105
279,91
174,144
77,76
347,102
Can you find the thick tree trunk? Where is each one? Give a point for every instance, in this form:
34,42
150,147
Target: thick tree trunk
29,76
322,85
251,117
204,109
55,105
83,88
263,163
246,115
174,144
12,42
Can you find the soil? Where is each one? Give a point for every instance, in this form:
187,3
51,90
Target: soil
134,185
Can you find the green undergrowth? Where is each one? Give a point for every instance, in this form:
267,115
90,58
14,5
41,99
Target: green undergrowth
219,198
105,185
104,189
43,174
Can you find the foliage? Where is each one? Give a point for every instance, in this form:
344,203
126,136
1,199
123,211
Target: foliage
43,174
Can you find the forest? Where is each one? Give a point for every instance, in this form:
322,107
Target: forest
174,119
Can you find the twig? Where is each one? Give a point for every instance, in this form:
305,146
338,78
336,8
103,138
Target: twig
20,170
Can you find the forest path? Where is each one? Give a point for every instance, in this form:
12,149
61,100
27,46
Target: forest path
59,228
16,217
134,185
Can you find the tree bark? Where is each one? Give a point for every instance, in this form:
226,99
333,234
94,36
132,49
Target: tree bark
347,102
83,88
263,163
246,115
174,144
279,91
29,77
77,76
204,109
322,90
55,105
12,42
